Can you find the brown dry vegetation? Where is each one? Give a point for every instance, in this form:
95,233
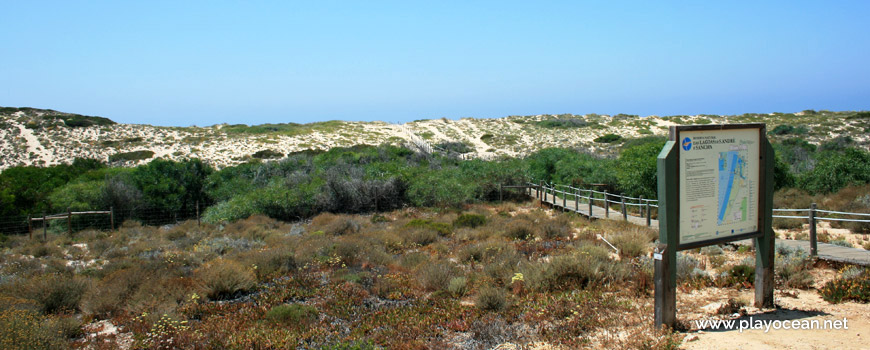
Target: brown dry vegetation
411,278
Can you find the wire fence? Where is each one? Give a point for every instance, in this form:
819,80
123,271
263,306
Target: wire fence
104,220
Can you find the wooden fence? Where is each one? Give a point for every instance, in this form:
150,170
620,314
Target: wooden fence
645,207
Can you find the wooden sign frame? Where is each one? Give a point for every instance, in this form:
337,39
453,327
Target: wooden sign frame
665,256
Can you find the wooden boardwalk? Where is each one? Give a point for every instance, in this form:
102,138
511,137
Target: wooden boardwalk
826,251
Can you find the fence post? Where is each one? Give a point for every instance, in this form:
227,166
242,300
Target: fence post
648,214
814,243
641,203
112,217
44,228
624,209
30,227
541,194
577,200
606,205
590,204
500,197
199,223
564,201
69,221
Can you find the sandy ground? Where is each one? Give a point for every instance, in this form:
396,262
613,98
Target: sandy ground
793,305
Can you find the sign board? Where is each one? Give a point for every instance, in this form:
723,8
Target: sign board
715,185
719,183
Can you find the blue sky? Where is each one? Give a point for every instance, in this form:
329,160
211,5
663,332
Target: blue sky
203,63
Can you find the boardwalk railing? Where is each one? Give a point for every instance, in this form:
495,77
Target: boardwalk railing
593,200
570,198
813,219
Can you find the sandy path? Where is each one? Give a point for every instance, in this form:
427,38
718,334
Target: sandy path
33,144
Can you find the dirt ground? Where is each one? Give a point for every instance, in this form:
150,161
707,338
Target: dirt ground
792,305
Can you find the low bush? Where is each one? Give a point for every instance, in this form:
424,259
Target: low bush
741,274
631,243
491,299
608,138
470,220
556,228
27,330
131,156
292,314
440,227
56,293
792,267
436,276
224,279
519,229
589,266
421,237
850,285
267,154
842,243
458,286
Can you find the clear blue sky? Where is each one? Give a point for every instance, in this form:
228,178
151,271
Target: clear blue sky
203,63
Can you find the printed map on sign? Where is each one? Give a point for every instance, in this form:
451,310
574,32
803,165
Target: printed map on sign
734,193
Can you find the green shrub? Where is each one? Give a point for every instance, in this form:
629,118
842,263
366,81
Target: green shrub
491,299
556,228
470,220
436,276
632,243
225,279
519,229
440,227
421,237
740,274
792,267
131,156
458,286
590,266
608,138
842,243
854,287
57,293
27,330
292,314
267,154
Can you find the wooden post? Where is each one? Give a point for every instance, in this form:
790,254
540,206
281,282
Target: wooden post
665,259
564,201
69,221
814,242
577,200
112,218
624,209
665,286
500,197
765,251
199,223
641,203
606,205
648,214
541,194
44,229
30,227
590,204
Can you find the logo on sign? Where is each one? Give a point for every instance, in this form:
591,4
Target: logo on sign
687,144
